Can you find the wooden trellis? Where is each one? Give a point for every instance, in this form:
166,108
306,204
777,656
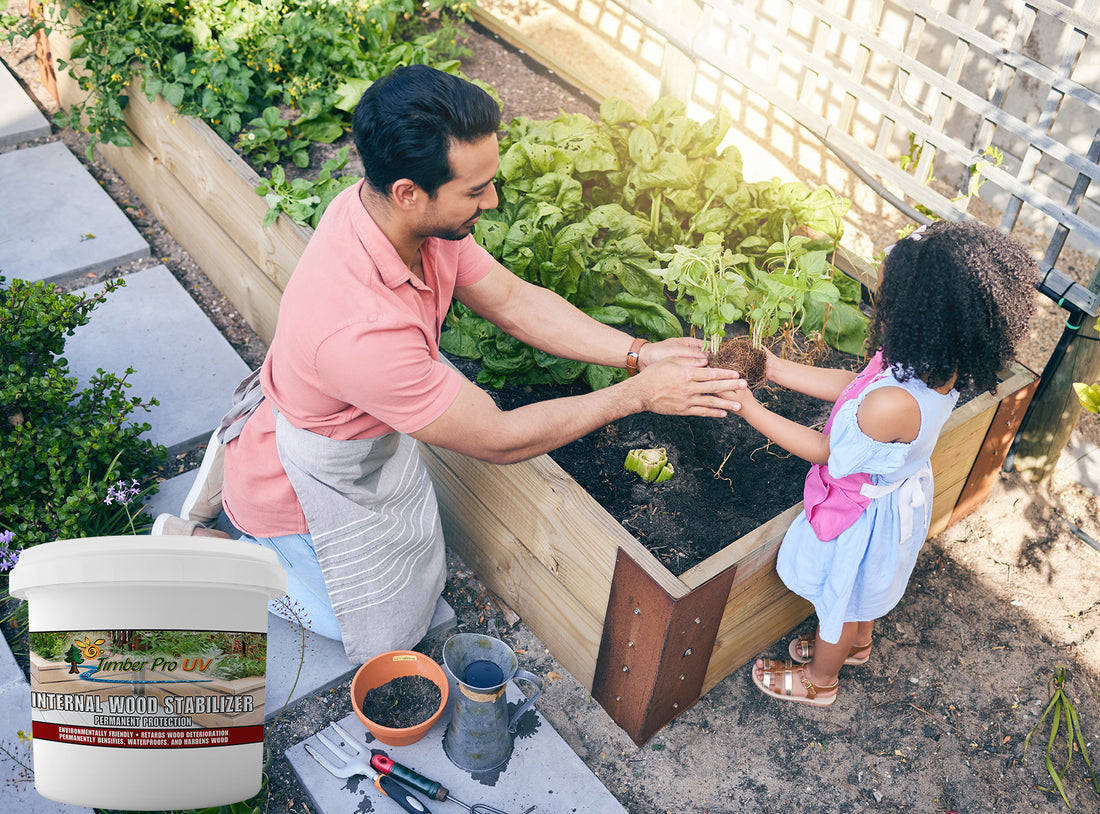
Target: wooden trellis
906,91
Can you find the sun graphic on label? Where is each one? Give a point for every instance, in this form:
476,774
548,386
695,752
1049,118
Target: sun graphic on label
90,649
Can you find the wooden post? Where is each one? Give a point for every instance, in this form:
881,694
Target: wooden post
678,68
1057,409
42,53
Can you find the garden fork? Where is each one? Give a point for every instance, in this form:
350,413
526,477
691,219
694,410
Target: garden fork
354,764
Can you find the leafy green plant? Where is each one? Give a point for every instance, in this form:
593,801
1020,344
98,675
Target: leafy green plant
1060,710
590,209
268,140
65,448
227,60
1089,394
302,199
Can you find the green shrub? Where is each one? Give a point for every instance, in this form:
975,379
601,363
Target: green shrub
50,645
72,460
227,60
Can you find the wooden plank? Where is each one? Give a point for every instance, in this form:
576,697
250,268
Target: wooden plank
998,440
229,268
562,525
221,180
489,546
760,610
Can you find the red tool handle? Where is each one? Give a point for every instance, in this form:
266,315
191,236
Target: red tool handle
382,763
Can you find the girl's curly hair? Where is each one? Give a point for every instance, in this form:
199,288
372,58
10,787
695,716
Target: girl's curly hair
954,299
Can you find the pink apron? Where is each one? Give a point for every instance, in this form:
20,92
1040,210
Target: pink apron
833,504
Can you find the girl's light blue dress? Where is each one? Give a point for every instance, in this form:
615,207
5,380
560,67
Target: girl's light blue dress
862,574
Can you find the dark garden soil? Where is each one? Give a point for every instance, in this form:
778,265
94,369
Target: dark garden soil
722,464
402,702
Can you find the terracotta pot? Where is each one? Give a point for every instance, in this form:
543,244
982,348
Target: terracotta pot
384,668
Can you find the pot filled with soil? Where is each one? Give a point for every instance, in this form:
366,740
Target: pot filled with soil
399,695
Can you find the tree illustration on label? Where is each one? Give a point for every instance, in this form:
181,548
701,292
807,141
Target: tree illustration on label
74,656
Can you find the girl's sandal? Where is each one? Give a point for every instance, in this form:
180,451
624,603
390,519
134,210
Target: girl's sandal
802,651
778,680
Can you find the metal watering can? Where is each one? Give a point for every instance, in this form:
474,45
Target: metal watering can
479,737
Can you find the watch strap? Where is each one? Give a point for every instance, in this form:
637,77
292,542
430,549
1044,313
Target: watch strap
632,356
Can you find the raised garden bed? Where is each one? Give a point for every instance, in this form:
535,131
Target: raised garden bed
646,641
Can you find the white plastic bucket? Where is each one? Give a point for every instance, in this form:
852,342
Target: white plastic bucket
121,718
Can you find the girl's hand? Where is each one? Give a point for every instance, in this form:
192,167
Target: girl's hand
741,400
769,364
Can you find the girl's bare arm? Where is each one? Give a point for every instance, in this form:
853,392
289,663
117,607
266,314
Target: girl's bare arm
806,443
823,383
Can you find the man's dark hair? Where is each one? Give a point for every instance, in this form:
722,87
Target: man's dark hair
406,122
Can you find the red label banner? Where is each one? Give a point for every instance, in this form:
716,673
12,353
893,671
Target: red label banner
148,738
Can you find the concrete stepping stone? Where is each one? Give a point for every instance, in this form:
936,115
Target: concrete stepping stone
20,118
15,714
62,223
178,355
542,774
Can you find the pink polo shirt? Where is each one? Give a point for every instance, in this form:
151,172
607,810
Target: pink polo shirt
355,354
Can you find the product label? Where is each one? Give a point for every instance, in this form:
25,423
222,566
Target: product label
148,689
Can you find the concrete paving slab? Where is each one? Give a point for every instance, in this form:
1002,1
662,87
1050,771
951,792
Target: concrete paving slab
1086,471
543,774
169,500
62,223
178,355
20,118
17,780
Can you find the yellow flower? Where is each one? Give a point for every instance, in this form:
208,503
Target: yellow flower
90,648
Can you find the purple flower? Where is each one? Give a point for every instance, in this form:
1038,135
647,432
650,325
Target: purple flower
8,557
122,493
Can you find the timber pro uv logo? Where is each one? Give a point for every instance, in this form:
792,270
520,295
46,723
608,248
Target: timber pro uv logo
87,658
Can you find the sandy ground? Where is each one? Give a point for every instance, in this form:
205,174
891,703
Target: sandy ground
935,722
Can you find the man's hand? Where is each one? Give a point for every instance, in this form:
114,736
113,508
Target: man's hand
680,347
681,385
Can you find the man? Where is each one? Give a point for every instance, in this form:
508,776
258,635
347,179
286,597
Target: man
320,454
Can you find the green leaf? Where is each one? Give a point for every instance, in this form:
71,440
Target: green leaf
349,92
650,317
609,314
643,151
614,111
842,324
173,94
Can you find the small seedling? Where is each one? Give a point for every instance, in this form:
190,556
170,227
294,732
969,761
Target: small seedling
1063,710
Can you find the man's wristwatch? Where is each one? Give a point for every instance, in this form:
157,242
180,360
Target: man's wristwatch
632,356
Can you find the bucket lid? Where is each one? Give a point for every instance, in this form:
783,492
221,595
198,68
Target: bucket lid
147,559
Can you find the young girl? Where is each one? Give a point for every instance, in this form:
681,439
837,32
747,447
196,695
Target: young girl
953,301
